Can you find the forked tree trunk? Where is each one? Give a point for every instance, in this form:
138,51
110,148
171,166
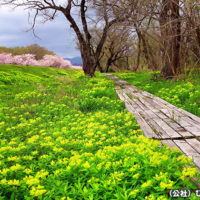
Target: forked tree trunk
146,50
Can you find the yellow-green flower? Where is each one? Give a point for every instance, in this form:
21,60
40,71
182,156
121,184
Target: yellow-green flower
146,184
168,185
13,182
134,192
37,191
190,172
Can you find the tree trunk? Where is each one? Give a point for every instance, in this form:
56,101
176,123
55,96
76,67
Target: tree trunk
127,64
108,64
88,62
145,50
198,35
100,67
152,58
138,54
171,34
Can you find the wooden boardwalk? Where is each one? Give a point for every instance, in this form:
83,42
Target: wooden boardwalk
161,120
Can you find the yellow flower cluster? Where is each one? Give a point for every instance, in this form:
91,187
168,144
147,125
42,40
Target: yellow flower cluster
30,180
188,172
79,139
37,191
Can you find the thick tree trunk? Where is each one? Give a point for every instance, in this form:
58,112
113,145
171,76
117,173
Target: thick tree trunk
170,32
88,62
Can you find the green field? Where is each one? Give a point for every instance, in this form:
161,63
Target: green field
183,92
66,136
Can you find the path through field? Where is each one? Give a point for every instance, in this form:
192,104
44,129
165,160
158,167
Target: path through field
161,120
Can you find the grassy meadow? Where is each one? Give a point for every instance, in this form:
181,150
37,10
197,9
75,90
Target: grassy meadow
184,92
66,136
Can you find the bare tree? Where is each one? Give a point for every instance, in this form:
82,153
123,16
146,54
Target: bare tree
117,46
48,9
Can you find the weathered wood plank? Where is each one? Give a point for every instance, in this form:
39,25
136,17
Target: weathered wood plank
194,143
191,127
160,133
194,117
184,112
194,130
122,98
161,115
189,151
171,144
148,132
186,148
165,131
171,132
133,100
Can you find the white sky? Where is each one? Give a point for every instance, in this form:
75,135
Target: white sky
56,35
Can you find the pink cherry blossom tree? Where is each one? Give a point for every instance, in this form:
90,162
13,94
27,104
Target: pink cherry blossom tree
29,59
6,58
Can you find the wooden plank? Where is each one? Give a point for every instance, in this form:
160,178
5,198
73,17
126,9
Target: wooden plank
146,103
144,126
161,115
122,98
133,100
177,118
191,121
184,112
181,130
195,131
189,151
194,143
145,93
153,104
148,132
171,132
192,116
160,133
181,117
170,143
154,121
186,148
165,131
173,124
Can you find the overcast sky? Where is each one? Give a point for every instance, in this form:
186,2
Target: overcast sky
56,35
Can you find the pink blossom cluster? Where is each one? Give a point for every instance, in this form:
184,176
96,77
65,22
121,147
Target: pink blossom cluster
29,59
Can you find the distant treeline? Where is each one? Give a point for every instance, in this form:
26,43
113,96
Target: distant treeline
34,49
